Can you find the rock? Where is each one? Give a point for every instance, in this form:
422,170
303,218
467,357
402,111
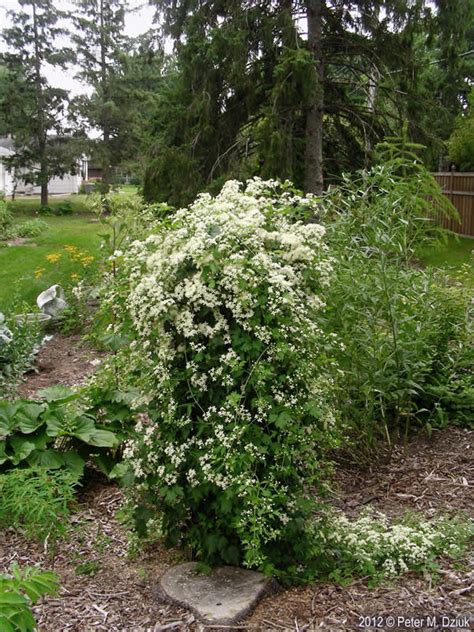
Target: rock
224,596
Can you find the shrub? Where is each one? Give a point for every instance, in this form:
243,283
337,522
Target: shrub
65,208
36,501
45,210
397,325
230,359
6,220
19,590
31,228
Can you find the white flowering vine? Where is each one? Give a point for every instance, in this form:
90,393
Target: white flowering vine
224,309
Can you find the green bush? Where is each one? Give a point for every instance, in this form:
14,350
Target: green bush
6,220
397,326
36,501
31,228
65,208
19,590
223,309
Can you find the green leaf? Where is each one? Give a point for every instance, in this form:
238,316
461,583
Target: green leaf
7,418
103,439
74,463
22,448
58,393
28,417
49,459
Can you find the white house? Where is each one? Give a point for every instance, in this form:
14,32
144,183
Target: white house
69,183
6,178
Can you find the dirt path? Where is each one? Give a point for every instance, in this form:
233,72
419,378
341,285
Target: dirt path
104,588
62,360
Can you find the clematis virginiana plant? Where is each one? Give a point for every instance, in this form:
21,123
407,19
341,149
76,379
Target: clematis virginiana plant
223,308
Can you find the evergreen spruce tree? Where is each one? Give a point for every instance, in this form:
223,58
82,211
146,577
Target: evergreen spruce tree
100,46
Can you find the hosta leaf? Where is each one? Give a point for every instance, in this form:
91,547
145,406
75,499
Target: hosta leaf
22,448
74,463
28,417
102,439
49,459
7,418
54,425
58,393
84,427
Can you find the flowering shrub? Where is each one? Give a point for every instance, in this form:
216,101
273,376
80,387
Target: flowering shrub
371,546
223,307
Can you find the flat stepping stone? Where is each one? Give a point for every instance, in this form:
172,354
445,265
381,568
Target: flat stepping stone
224,596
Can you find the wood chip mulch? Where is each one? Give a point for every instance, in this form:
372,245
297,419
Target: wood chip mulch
432,476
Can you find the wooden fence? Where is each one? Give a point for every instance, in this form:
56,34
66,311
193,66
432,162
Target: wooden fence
459,188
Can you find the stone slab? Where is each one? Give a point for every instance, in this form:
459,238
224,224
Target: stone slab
224,596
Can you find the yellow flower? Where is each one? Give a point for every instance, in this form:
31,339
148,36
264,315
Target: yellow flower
70,249
87,260
75,276
39,272
54,257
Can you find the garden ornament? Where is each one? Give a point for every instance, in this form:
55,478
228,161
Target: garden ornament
5,333
52,301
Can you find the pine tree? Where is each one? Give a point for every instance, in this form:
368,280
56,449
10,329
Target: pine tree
100,46
33,112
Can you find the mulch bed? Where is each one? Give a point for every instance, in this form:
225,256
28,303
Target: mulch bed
431,476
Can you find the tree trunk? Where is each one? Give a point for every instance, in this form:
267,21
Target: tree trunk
313,179
105,94
41,136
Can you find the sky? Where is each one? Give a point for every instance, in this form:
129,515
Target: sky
136,22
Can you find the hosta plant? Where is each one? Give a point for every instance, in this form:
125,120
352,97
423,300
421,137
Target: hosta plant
223,310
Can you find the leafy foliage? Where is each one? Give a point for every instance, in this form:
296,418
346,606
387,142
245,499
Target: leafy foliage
36,501
57,433
461,142
18,343
400,326
18,591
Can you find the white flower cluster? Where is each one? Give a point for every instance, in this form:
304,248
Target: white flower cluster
392,549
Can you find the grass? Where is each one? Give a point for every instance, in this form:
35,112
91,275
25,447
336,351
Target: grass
455,256
31,205
19,263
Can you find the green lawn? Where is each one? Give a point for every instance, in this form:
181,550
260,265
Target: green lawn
19,263
453,256
31,205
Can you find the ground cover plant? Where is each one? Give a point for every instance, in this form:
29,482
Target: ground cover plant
58,431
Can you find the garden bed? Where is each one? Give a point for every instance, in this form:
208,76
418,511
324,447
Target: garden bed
102,588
